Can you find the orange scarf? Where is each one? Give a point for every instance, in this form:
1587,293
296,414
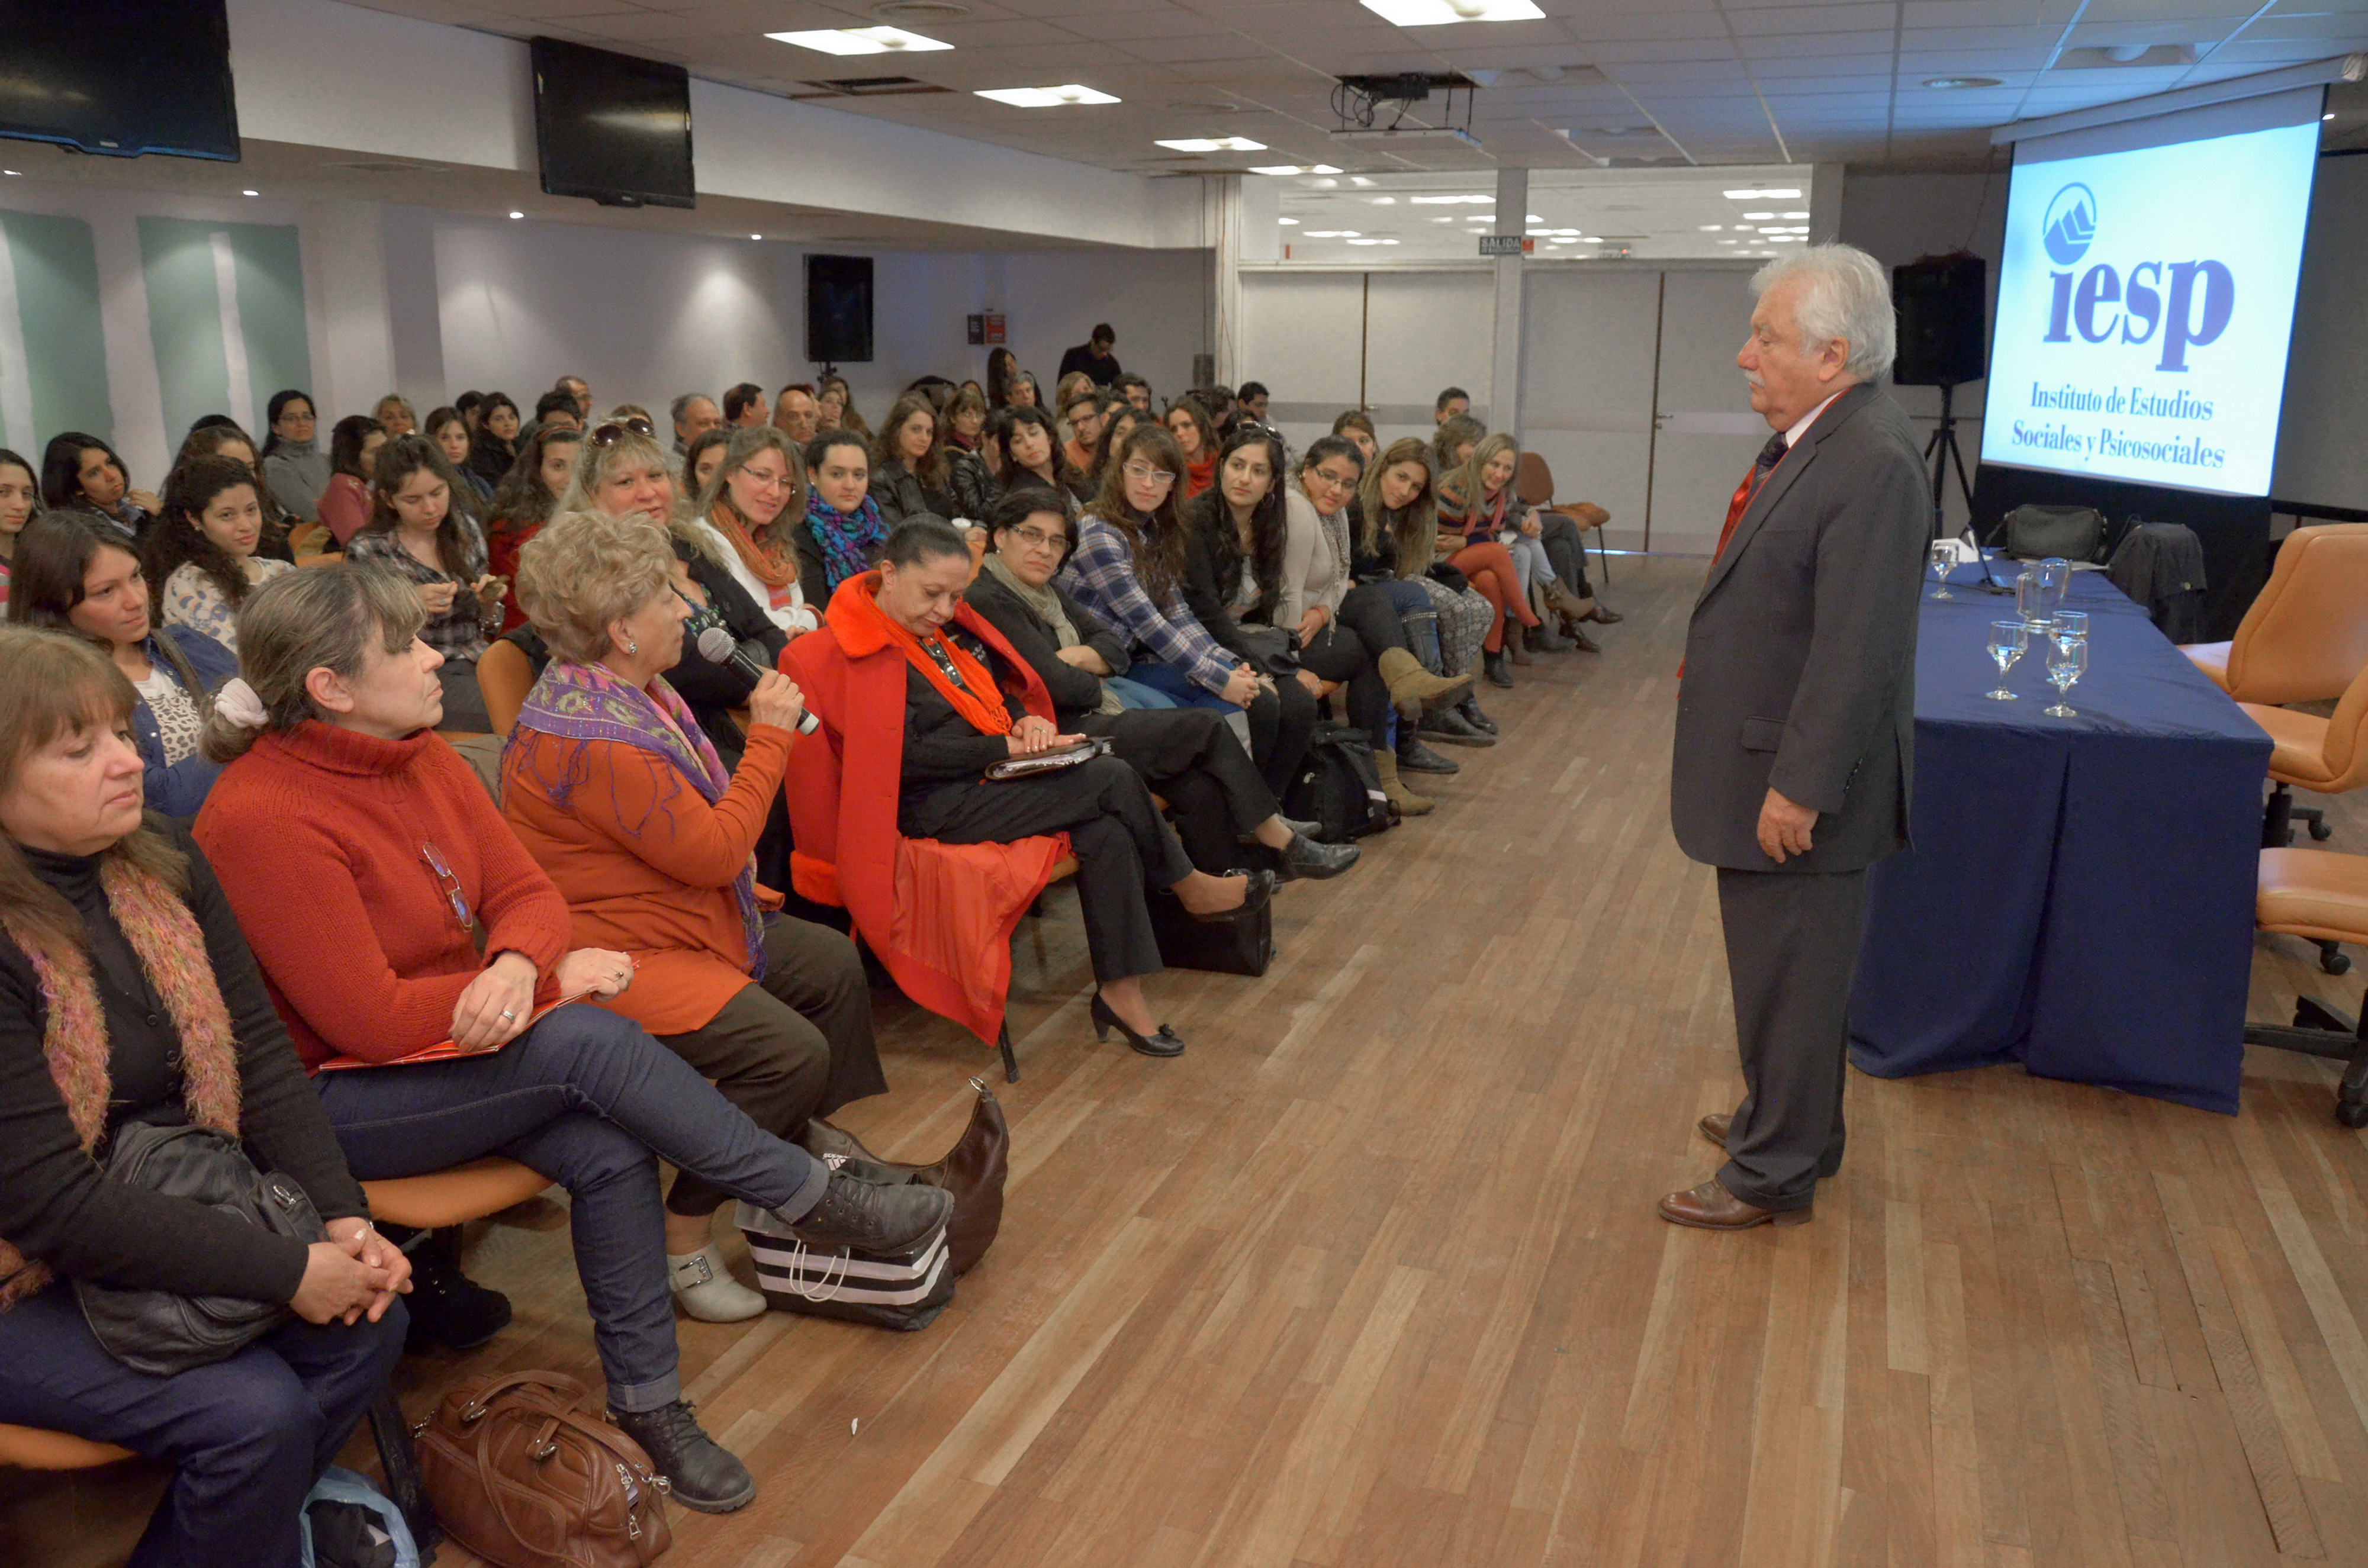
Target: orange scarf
773,570
988,718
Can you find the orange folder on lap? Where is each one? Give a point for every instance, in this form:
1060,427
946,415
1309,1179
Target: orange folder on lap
446,1050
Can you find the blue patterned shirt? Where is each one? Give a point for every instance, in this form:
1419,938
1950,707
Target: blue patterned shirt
1100,575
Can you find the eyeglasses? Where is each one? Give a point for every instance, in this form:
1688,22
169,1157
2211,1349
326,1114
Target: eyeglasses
1037,539
1334,479
608,435
448,884
1144,473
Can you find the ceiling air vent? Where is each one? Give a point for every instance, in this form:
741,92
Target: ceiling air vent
869,87
919,10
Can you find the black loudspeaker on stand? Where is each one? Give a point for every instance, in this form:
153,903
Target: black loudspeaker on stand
1940,304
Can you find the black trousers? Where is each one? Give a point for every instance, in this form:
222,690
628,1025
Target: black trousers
1792,949
1281,722
1349,648
1190,756
1566,551
793,1046
246,1438
1118,835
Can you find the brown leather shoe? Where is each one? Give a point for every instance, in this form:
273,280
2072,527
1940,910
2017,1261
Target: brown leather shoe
1711,1207
1714,1126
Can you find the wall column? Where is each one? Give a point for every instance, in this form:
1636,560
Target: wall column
1224,206
1505,377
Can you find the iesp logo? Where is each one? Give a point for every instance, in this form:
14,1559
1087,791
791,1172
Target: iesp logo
2203,294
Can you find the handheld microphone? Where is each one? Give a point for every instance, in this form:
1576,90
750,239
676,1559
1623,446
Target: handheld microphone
718,646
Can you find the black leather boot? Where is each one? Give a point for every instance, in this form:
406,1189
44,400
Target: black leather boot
699,1472
1416,757
1494,664
876,1218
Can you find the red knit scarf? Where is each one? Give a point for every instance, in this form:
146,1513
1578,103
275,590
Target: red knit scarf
172,952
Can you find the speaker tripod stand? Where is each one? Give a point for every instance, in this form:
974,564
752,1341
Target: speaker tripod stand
1940,451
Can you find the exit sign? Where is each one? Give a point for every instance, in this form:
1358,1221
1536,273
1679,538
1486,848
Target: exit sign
1505,244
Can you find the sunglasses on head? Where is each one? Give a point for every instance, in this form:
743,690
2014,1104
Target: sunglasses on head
608,435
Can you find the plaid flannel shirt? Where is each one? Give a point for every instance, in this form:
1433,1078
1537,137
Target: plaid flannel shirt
1100,575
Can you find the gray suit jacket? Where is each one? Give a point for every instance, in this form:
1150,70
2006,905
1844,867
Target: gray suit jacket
1801,658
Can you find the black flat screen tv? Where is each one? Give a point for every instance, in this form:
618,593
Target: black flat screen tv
612,127
838,309
119,77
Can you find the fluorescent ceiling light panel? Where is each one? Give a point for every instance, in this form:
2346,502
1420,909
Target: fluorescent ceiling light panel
1435,13
1452,201
1292,169
1287,222
1213,145
1763,196
860,41
1332,234
1046,97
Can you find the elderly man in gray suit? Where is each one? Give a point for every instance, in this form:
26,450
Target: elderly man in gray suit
1796,716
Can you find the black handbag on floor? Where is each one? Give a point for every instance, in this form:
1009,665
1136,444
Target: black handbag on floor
1241,944
158,1332
1338,785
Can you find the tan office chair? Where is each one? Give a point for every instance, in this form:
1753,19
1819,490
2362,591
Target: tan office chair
2322,897
2328,756
1534,483
2306,635
505,675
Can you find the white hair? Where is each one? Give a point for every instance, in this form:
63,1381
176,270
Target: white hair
1847,295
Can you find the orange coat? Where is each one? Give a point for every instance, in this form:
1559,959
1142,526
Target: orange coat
938,915
645,864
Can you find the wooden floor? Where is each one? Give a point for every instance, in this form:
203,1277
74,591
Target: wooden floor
1371,1275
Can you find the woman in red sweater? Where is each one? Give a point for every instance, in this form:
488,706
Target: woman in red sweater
358,850
617,793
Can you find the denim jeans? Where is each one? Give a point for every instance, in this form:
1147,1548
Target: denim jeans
1530,560
246,1438
1417,621
1134,694
587,1099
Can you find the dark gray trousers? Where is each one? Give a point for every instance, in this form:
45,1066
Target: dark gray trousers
1792,949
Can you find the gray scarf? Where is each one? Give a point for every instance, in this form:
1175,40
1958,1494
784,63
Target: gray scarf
1046,603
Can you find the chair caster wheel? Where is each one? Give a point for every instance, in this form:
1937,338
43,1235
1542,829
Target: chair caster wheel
2351,1113
2321,832
2333,959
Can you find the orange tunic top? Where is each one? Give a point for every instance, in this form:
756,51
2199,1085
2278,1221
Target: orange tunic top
645,863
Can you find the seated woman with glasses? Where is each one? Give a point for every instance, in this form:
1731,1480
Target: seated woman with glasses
128,997
1185,753
918,696
618,795
755,499
417,529
358,851
1394,521
1128,569
1349,633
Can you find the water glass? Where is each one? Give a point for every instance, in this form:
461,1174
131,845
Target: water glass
2070,623
2008,639
2067,660
1942,556
2031,598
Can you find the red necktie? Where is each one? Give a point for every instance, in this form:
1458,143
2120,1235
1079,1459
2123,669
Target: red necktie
1761,467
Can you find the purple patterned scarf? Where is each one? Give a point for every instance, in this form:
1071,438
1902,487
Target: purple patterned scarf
587,702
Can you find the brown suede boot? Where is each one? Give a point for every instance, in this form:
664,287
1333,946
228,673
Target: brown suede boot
1408,803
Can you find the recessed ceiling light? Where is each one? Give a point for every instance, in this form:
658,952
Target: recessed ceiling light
1287,222
1789,195
1372,242
1947,83
1452,201
1796,214
1759,217
1442,220
1712,228
517,214
1292,169
1434,13
1046,97
860,40
1359,180
1213,145
756,236
1383,200
2328,115
1532,218
1332,234
250,193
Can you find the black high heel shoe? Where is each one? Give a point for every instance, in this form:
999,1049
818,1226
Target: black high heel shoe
1167,1042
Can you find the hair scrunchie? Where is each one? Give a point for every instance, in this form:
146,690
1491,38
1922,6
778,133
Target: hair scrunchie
237,703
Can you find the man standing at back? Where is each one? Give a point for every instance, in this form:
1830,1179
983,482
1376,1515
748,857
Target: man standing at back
1093,356
1796,714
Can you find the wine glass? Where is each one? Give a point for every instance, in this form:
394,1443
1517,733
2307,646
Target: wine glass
2031,598
1942,556
2067,660
2055,582
2070,623
2008,639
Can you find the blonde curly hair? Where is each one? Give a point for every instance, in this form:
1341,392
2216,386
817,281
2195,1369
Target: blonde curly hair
586,569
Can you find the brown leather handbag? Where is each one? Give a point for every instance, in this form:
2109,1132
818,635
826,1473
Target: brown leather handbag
527,1471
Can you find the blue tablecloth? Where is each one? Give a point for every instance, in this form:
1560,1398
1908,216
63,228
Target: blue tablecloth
2079,898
